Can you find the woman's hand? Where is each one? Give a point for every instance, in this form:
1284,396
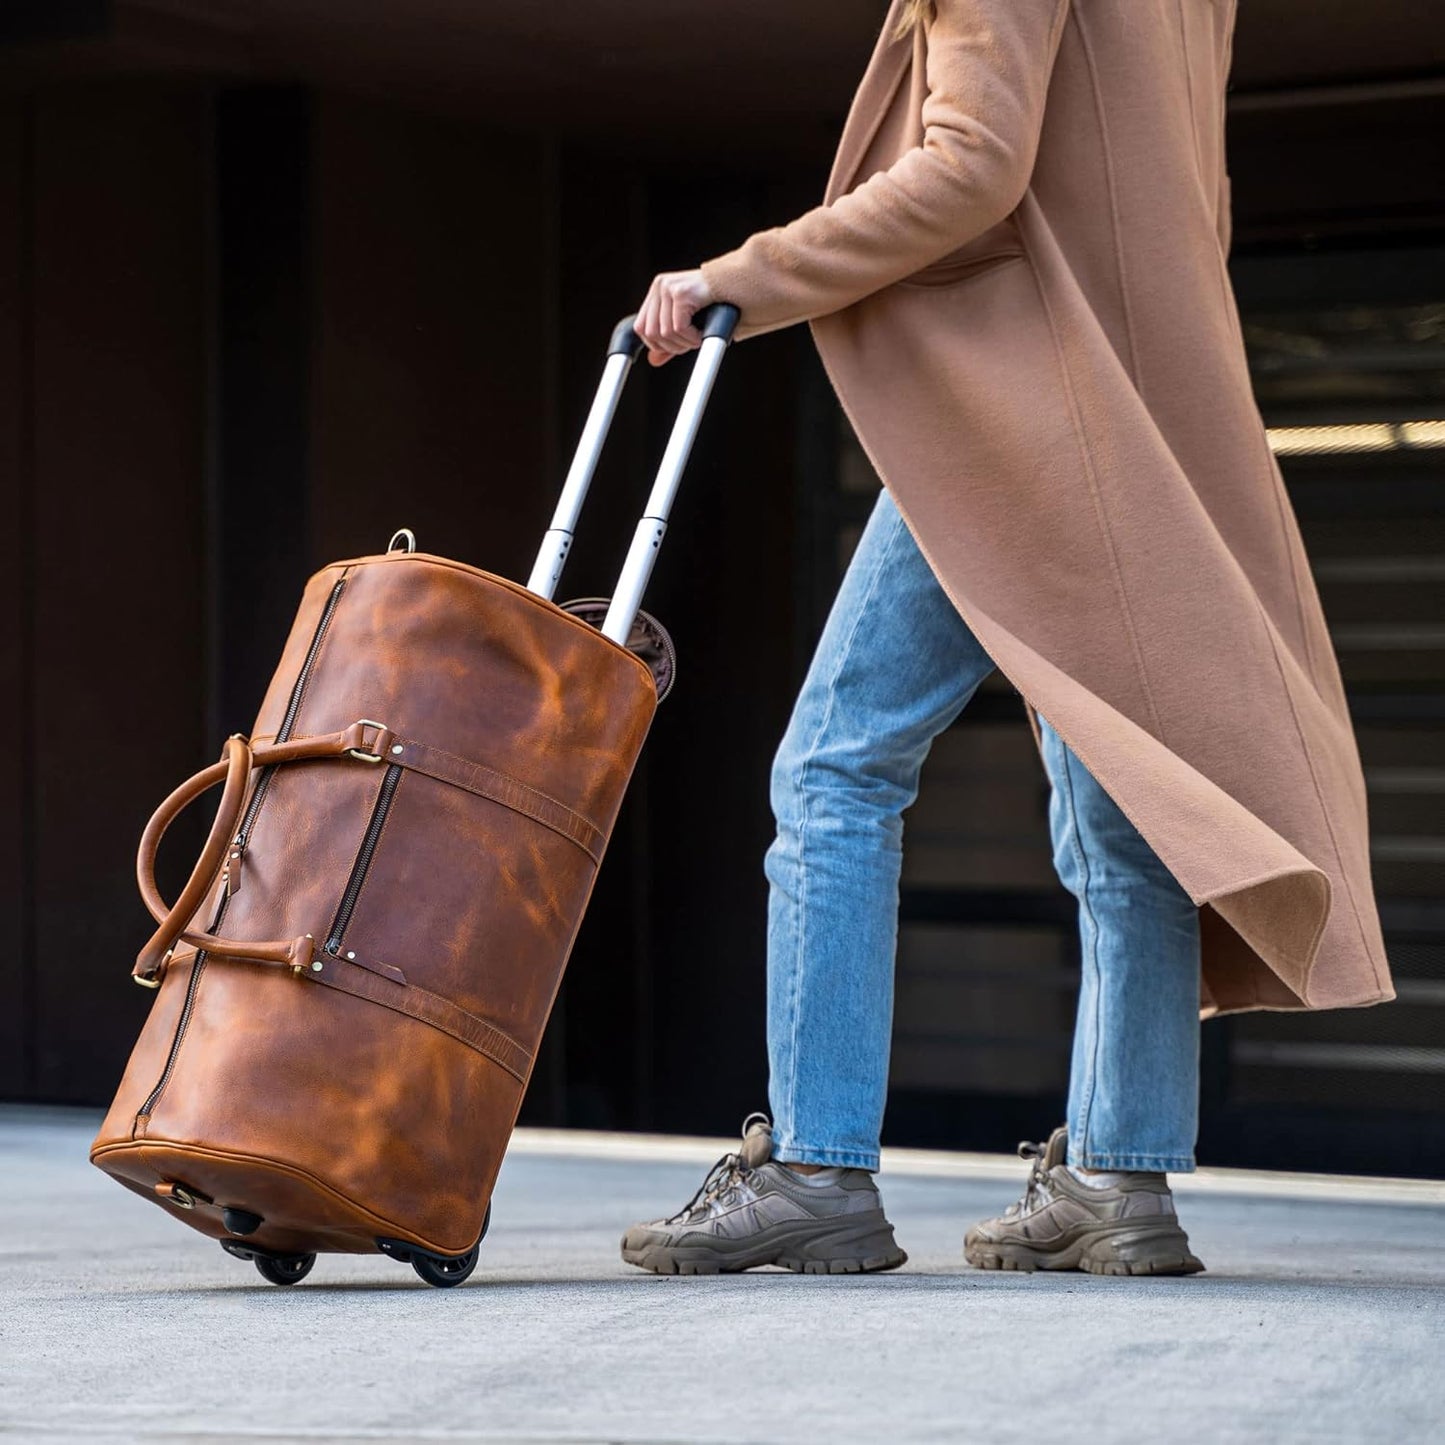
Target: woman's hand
664,320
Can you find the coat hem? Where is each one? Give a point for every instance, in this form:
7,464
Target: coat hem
1318,791
1305,964
1219,1011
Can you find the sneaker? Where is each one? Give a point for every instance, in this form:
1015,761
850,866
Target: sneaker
1061,1223
751,1211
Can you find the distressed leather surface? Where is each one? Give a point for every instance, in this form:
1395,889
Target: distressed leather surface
328,1112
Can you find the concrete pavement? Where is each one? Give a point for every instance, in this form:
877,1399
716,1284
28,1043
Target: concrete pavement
1322,1318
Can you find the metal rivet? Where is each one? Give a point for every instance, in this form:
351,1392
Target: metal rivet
317,966
397,749
351,955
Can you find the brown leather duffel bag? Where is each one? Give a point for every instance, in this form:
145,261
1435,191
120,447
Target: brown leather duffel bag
403,853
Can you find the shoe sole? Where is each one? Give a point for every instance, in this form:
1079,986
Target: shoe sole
863,1248
1111,1252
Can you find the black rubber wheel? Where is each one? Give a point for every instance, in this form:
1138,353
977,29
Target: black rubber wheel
446,1273
486,1223
285,1268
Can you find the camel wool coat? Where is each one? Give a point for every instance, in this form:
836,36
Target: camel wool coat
1017,284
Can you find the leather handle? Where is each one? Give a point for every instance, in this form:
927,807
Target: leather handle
234,770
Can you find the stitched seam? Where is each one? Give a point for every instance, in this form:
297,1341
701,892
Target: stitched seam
516,589
1138,1163
802,786
1115,229
492,1044
229,1154
837,1158
1277,487
1086,457
1188,84
495,1038
1225,286
1324,813
515,782
573,827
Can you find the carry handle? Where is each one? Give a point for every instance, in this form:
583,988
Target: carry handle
717,324
234,770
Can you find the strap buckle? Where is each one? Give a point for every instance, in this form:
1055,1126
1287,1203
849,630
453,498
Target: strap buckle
362,754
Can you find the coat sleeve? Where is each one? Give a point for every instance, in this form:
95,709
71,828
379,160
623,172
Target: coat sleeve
988,69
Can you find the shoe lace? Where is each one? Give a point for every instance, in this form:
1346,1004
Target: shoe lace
1036,1192
724,1176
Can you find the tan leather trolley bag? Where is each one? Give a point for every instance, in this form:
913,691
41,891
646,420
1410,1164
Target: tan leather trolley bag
351,988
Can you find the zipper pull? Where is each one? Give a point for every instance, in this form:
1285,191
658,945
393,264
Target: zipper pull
231,872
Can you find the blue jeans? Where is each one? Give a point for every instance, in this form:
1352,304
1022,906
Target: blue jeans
895,665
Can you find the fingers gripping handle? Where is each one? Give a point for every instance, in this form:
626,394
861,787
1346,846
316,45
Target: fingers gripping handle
716,323
720,320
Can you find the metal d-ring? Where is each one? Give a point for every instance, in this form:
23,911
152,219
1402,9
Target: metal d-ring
360,754
407,538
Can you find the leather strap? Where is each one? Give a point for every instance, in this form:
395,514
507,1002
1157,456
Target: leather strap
422,1004
377,744
391,991
485,782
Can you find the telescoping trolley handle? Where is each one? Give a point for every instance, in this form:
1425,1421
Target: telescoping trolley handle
717,323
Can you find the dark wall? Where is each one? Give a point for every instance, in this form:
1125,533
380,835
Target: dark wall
662,1014
16,573
246,334
105,267
432,363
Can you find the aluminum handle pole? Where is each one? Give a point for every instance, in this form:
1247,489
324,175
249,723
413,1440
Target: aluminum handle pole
547,570
641,556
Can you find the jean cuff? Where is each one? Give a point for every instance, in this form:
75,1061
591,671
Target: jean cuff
827,1158
1134,1163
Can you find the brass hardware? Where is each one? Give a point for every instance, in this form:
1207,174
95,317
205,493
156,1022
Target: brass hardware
300,968
360,754
154,980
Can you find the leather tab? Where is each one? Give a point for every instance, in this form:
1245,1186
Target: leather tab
426,1007
496,787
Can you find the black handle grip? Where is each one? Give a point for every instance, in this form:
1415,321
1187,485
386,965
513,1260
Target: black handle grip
720,319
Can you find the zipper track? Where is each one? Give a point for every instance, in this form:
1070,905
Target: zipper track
243,834
362,865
